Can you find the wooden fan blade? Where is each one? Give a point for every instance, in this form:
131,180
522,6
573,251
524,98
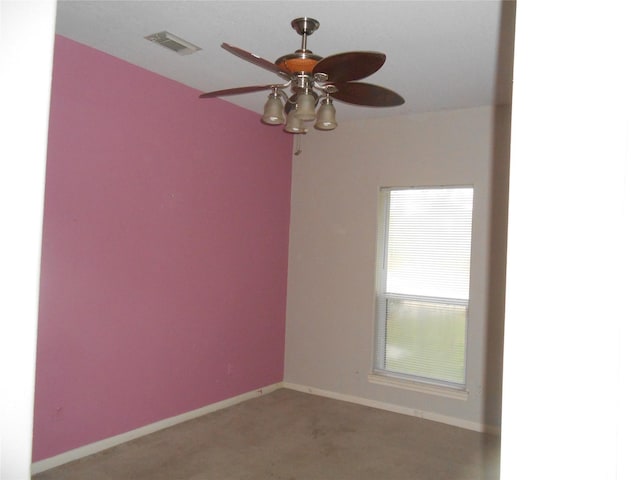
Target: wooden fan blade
256,60
236,91
367,95
348,66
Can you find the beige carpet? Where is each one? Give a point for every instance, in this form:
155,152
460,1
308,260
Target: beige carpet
290,435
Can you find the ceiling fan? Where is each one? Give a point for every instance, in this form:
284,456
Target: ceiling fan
314,81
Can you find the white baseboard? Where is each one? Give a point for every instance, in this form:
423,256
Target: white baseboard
436,417
96,447
90,449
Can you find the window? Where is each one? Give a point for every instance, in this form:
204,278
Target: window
424,253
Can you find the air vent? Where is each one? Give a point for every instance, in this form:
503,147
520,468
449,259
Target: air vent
170,41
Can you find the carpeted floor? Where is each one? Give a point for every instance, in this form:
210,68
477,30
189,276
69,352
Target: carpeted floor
290,435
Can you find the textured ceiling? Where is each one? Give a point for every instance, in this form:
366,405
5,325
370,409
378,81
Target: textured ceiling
440,54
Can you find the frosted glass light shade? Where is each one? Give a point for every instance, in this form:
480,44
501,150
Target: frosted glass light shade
326,119
306,107
294,124
273,110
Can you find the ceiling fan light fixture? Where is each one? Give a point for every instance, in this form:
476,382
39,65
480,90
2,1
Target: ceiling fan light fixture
326,118
273,110
306,104
294,124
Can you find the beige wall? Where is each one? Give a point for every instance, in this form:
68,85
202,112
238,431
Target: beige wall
330,305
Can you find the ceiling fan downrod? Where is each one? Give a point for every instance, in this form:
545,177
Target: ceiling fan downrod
303,60
305,26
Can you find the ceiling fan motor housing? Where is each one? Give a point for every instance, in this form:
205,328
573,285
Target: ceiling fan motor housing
298,62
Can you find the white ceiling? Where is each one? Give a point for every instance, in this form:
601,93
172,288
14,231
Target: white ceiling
440,54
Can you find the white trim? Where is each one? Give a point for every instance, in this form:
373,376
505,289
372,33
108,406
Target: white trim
438,390
90,449
436,417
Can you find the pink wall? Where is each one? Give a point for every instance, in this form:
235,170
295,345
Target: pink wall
164,253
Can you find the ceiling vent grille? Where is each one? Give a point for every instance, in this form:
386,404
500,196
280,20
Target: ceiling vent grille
172,42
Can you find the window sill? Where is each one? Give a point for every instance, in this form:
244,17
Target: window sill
438,390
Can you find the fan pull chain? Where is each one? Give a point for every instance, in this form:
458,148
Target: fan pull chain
298,144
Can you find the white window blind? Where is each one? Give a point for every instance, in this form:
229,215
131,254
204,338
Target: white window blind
423,283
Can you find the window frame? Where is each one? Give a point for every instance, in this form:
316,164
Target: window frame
379,373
